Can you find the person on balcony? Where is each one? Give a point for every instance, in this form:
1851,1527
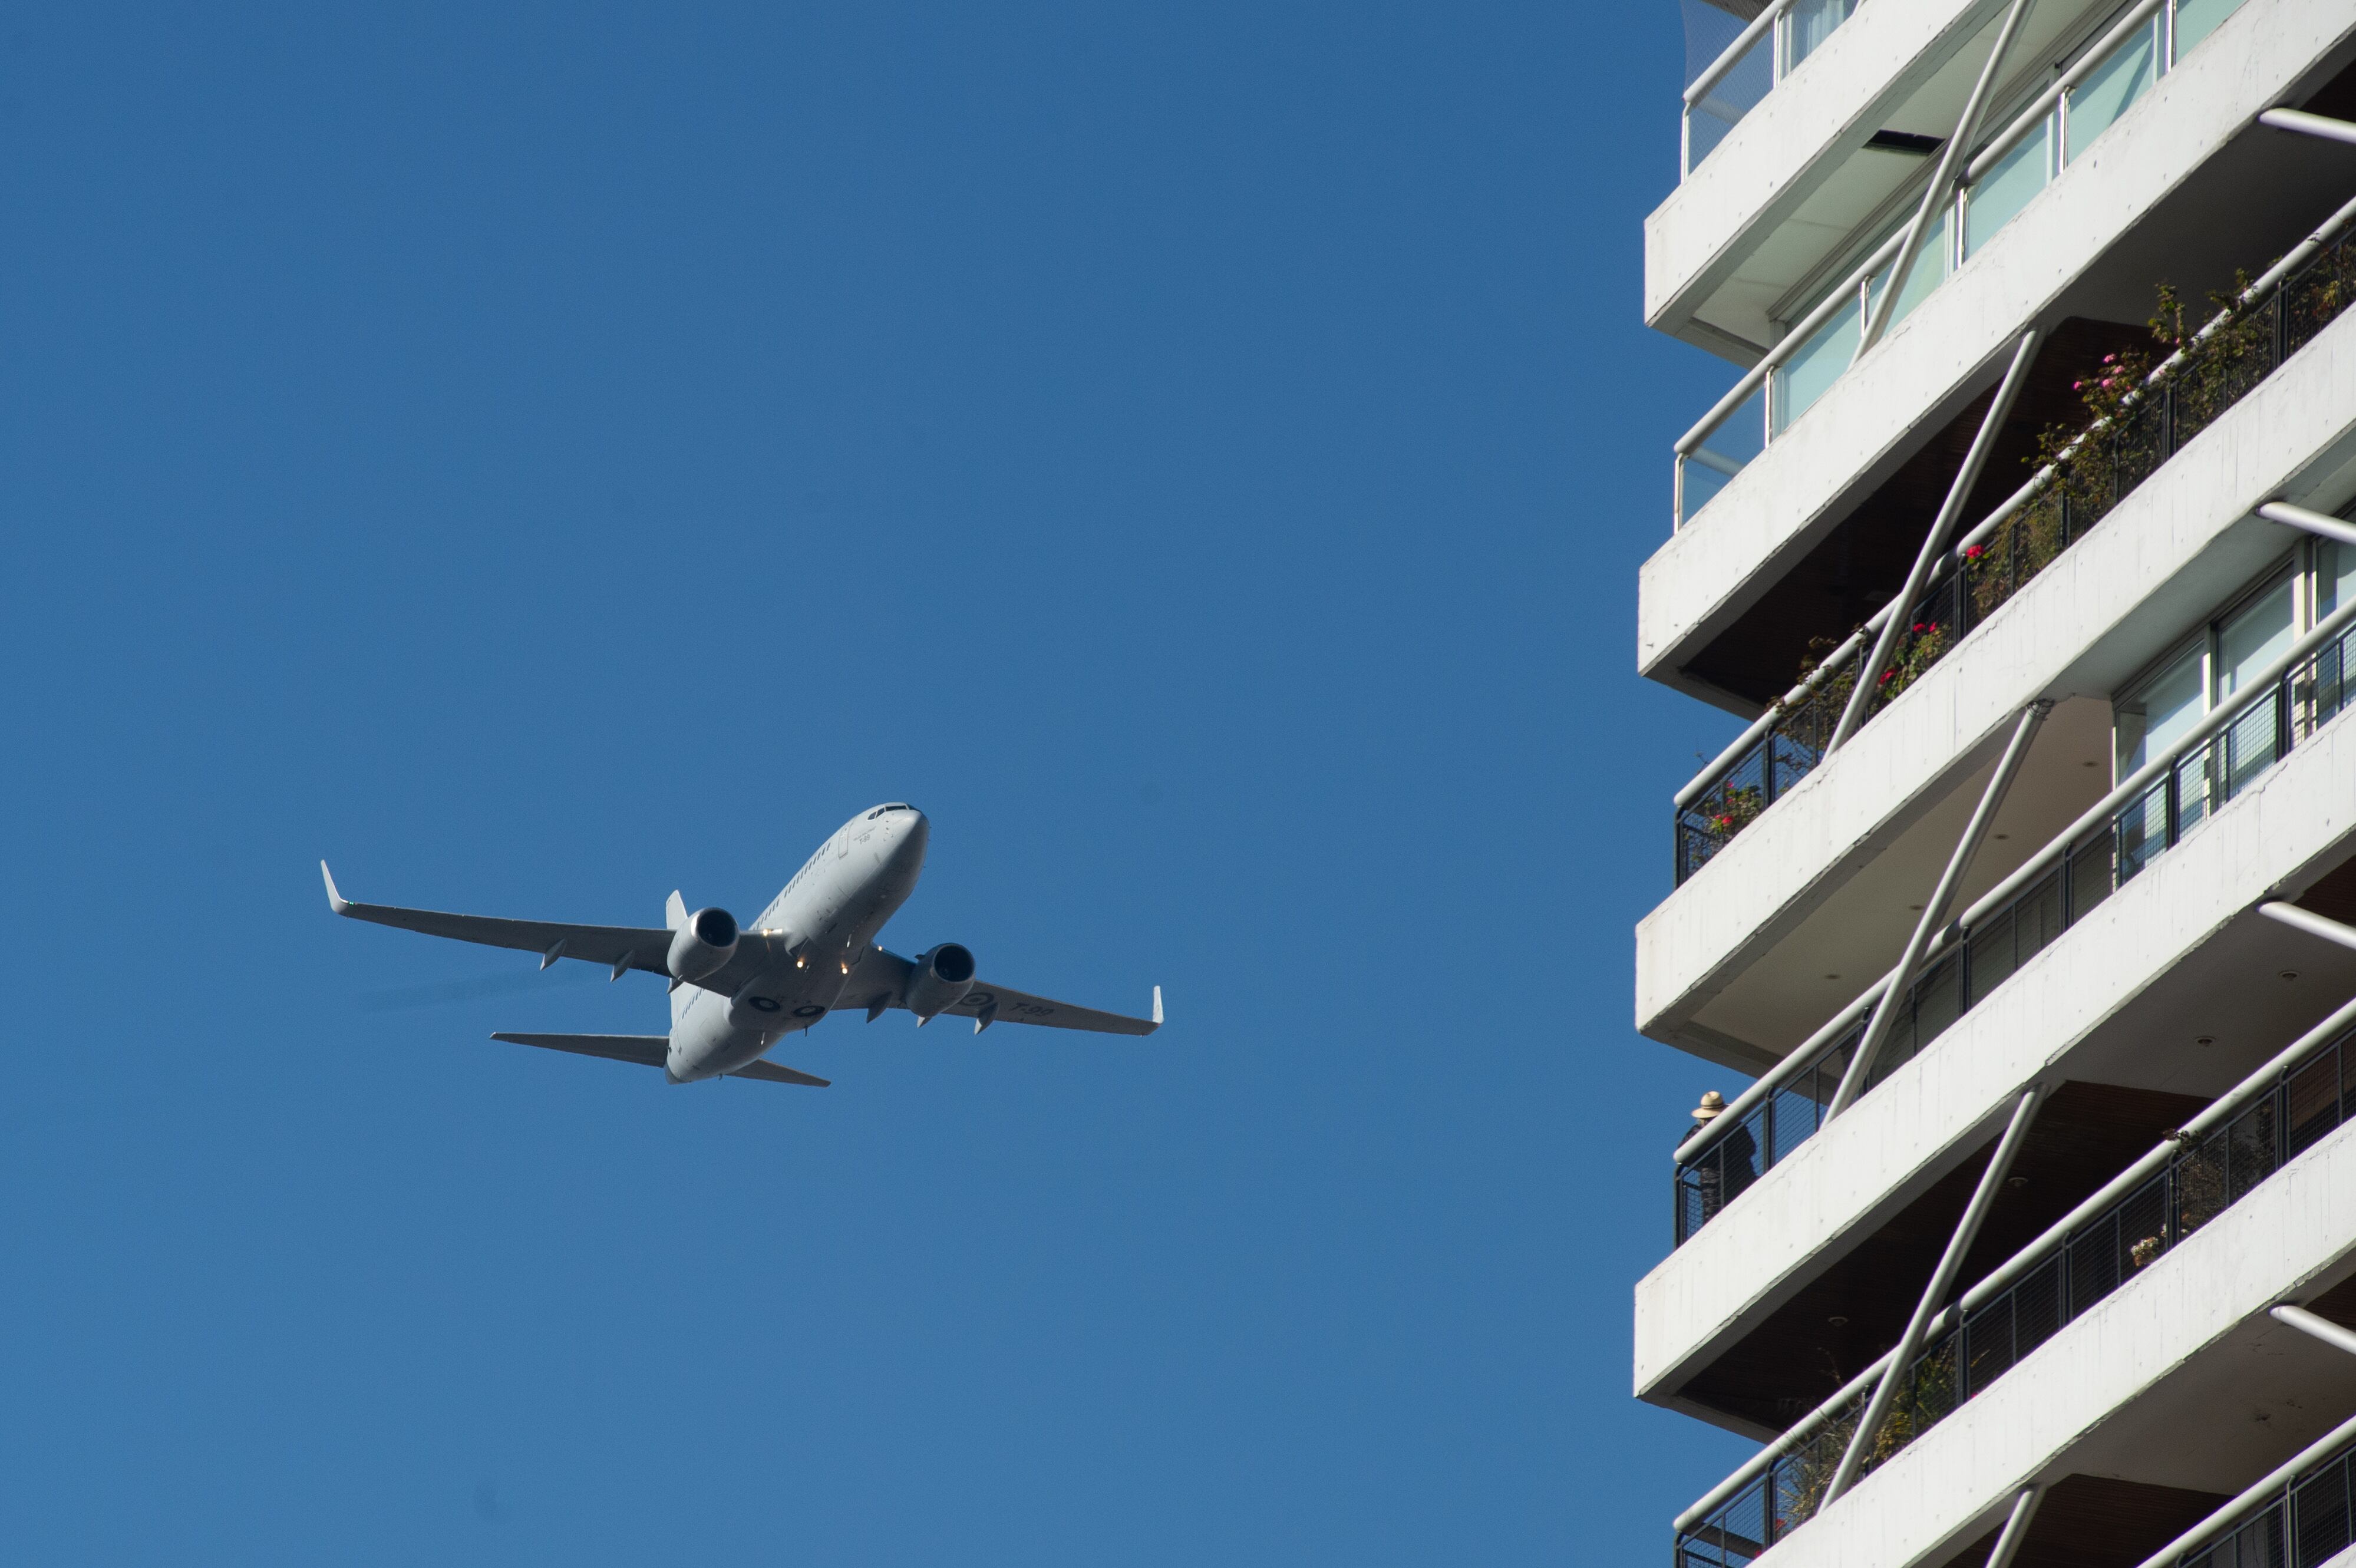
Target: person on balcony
1728,1167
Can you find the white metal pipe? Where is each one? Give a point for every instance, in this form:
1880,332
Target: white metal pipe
2316,523
1943,1278
1934,909
1943,178
2226,1517
2307,125
2029,118
1934,543
1729,56
2015,1528
2323,1328
2307,920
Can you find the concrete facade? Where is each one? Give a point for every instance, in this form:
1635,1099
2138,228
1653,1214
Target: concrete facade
1800,1253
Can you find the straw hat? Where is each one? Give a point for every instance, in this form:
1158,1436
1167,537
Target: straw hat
1712,1106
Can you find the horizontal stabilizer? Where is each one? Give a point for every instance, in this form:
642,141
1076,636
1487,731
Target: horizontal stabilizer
652,1050
645,1049
775,1072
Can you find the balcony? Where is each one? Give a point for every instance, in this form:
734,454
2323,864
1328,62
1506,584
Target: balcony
2198,191
2170,988
2196,1178
2098,82
2207,373
1735,965
2164,1347
1784,164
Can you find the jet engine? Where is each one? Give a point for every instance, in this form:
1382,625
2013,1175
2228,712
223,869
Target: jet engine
703,945
942,976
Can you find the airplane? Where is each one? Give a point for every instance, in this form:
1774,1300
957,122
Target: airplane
735,992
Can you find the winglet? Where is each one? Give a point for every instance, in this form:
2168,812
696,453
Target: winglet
336,900
1157,1007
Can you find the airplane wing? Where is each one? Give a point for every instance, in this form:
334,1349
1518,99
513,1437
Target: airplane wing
618,947
879,980
650,1051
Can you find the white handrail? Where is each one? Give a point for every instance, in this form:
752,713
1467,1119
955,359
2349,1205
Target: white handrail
2042,106
1787,344
1733,52
2209,1529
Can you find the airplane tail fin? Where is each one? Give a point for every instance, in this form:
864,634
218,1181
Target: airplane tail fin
675,916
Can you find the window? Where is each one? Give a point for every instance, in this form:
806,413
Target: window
2217,663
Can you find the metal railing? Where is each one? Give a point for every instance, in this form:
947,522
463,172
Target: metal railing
2110,74
2288,1106
2145,816
1782,35
2308,1523
2228,358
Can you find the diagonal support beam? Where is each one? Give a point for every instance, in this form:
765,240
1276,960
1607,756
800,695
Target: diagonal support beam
1943,181
2015,1528
1934,543
1943,1279
1935,908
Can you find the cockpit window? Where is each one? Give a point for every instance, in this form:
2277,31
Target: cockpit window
895,805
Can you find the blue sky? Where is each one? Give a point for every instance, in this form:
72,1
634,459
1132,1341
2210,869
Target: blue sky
541,457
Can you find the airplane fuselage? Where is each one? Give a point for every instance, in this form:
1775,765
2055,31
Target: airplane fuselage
810,944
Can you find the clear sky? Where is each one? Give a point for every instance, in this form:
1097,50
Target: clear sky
537,458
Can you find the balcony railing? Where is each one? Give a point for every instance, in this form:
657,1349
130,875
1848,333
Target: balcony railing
2108,76
2151,812
2220,1156
2310,1520
1749,67
2228,358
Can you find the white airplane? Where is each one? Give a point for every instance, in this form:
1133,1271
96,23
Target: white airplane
736,993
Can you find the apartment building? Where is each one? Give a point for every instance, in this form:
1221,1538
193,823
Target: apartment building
2022,916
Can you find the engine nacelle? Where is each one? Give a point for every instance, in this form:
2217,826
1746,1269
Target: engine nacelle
940,980
703,945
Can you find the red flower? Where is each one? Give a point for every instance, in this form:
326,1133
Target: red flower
1973,551
1887,675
